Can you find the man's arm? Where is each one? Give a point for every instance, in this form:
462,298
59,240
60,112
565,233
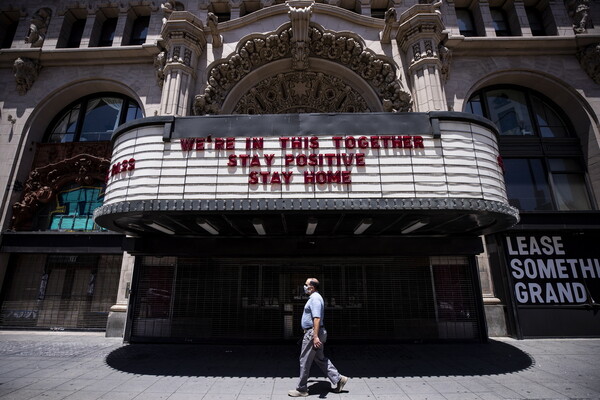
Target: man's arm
316,326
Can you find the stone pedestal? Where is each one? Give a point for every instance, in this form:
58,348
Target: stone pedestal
115,326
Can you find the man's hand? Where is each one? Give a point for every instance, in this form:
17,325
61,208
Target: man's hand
317,342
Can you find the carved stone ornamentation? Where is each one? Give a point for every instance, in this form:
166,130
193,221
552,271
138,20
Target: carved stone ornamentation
301,92
44,182
160,61
579,11
38,27
26,72
445,55
212,22
589,58
345,49
416,51
300,12
390,19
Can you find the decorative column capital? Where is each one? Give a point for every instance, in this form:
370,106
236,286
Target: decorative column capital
184,40
420,33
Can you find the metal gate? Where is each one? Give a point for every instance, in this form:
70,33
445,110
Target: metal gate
70,291
397,298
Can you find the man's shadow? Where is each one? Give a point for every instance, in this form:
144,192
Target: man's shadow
355,360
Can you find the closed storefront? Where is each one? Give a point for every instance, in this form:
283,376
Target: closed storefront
394,298
66,291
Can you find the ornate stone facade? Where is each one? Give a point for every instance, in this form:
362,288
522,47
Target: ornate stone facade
301,92
343,48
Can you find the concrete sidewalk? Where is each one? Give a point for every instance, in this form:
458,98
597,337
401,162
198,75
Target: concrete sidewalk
87,366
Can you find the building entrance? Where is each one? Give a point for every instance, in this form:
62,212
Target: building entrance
392,298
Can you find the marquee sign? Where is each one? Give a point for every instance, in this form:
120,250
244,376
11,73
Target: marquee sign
430,161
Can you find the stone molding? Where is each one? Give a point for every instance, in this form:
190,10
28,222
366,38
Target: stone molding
44,182
344,48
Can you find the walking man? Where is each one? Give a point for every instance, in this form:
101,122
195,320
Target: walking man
313,342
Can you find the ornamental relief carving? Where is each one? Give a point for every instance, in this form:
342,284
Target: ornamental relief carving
589,58
44,182
301,92
344,48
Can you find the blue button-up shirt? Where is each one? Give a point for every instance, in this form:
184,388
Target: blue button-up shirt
314,308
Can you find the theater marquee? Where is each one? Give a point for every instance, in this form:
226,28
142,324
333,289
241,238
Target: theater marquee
378,161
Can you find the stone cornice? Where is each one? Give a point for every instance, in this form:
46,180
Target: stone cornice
83,56
518,45
318,8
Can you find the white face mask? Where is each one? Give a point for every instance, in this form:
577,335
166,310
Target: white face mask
306,289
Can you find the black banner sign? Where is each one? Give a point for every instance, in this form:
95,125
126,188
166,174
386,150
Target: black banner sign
554,268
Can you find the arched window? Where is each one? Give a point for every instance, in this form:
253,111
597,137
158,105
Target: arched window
93,118
543,161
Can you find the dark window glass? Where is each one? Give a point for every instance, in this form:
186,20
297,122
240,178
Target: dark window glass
139,30
519,112
7,34
107,33
570,190
508,110
464,17
548,119
474,106
500,22
536,21
527,184
101,117
223,16
76,33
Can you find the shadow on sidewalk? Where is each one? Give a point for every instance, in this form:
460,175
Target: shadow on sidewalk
386,360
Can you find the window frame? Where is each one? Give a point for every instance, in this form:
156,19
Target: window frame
529,95
469,33
537,146
502,12
83,102
137,40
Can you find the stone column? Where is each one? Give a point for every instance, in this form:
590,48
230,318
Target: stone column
117,317
483,19
518,22
365,7
183,40
89,27
419,36
235,7
121,26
